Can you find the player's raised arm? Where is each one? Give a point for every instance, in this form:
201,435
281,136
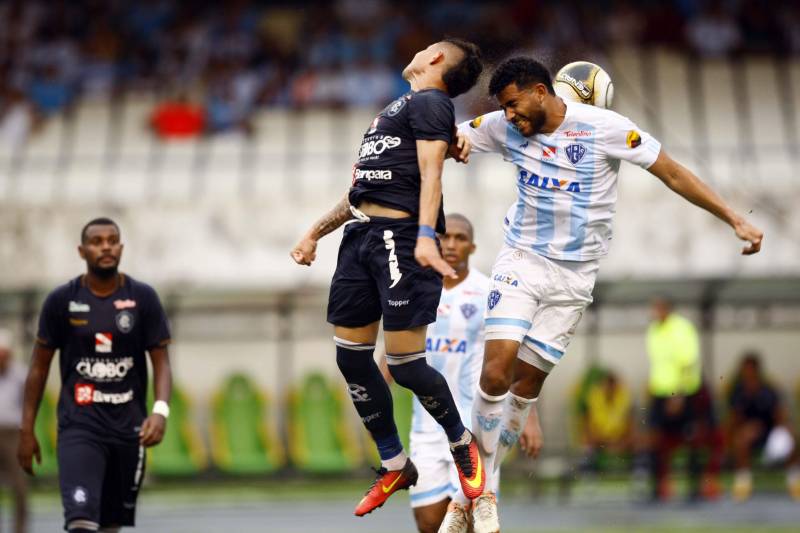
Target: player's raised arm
34,389
305,251
684,182
431,160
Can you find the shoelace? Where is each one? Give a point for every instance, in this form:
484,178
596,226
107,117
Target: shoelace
379,473
463,459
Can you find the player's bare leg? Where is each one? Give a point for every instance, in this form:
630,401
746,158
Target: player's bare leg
429,517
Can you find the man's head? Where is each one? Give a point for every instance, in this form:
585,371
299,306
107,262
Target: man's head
457,242
101,247
521,86
750,372
455,61
660,308
5,350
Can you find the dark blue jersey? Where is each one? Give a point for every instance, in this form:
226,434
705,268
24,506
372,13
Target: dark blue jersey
102,344
387,172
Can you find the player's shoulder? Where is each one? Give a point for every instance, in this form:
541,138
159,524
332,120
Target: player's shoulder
430,95
64,292
479,282
487,121
140,288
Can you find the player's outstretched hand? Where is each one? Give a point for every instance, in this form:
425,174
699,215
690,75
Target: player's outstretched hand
305,251
751,234
531,439
427,255
152,431
460,149
27,450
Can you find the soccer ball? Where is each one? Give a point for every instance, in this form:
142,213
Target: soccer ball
586,83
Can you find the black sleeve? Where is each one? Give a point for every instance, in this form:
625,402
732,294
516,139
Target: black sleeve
432,116
51,321
155,326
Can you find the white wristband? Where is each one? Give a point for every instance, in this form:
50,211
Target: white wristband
161,408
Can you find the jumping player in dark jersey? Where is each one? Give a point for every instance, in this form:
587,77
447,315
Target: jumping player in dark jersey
389,262
102,323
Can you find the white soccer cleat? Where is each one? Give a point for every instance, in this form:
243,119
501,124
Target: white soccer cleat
456,520
484,514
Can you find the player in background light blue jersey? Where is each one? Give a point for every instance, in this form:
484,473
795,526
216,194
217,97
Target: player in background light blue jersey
455,349
567,158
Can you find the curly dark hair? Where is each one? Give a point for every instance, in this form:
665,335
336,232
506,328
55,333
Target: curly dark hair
522,71
101,221
463,76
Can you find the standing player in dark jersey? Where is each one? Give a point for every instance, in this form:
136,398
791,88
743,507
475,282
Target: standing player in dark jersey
389,263
102,323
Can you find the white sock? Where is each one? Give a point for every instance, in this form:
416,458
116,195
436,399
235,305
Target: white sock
395,463
487,411
515,414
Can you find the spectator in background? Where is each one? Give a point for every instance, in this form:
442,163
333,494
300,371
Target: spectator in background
231,97
606,422
757,414
681,410
714,33
12,383
178,118
17,118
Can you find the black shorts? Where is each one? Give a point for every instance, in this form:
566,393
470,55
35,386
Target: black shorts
377,275
697,409
99,480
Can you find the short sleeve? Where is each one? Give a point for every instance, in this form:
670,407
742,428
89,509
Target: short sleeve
626,141
486,132
431,116
155,324
51,321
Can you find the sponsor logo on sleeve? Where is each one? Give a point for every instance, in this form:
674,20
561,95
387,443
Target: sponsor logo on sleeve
633,139
575,153
78,307
476,122
103,342
125,321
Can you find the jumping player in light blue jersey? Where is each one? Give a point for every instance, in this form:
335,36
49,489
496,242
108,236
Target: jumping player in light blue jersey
567,157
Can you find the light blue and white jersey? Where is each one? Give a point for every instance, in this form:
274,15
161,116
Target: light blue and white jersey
567,180
455,349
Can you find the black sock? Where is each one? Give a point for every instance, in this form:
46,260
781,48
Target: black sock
431,389
370,395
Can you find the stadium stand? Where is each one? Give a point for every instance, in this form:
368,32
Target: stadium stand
243,441
320,441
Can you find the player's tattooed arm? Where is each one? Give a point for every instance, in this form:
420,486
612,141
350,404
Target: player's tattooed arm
684,182
305,251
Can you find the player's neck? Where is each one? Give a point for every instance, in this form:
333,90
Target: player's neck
461,275
555,112
421,81
102,286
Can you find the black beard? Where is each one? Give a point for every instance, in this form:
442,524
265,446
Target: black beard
537,122
103,272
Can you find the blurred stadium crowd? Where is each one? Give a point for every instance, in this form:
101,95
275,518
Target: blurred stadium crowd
213,63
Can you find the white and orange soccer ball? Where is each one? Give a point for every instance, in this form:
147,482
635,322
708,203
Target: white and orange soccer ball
586,83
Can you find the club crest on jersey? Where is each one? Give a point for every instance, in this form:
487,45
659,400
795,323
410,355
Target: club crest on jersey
395,107
102,342
575,152
494,297
469,310
125,321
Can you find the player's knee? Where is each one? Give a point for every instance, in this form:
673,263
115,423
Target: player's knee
495,379
426,523
354,364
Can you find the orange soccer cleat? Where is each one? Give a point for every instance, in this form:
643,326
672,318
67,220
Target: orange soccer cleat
471,473
386,483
